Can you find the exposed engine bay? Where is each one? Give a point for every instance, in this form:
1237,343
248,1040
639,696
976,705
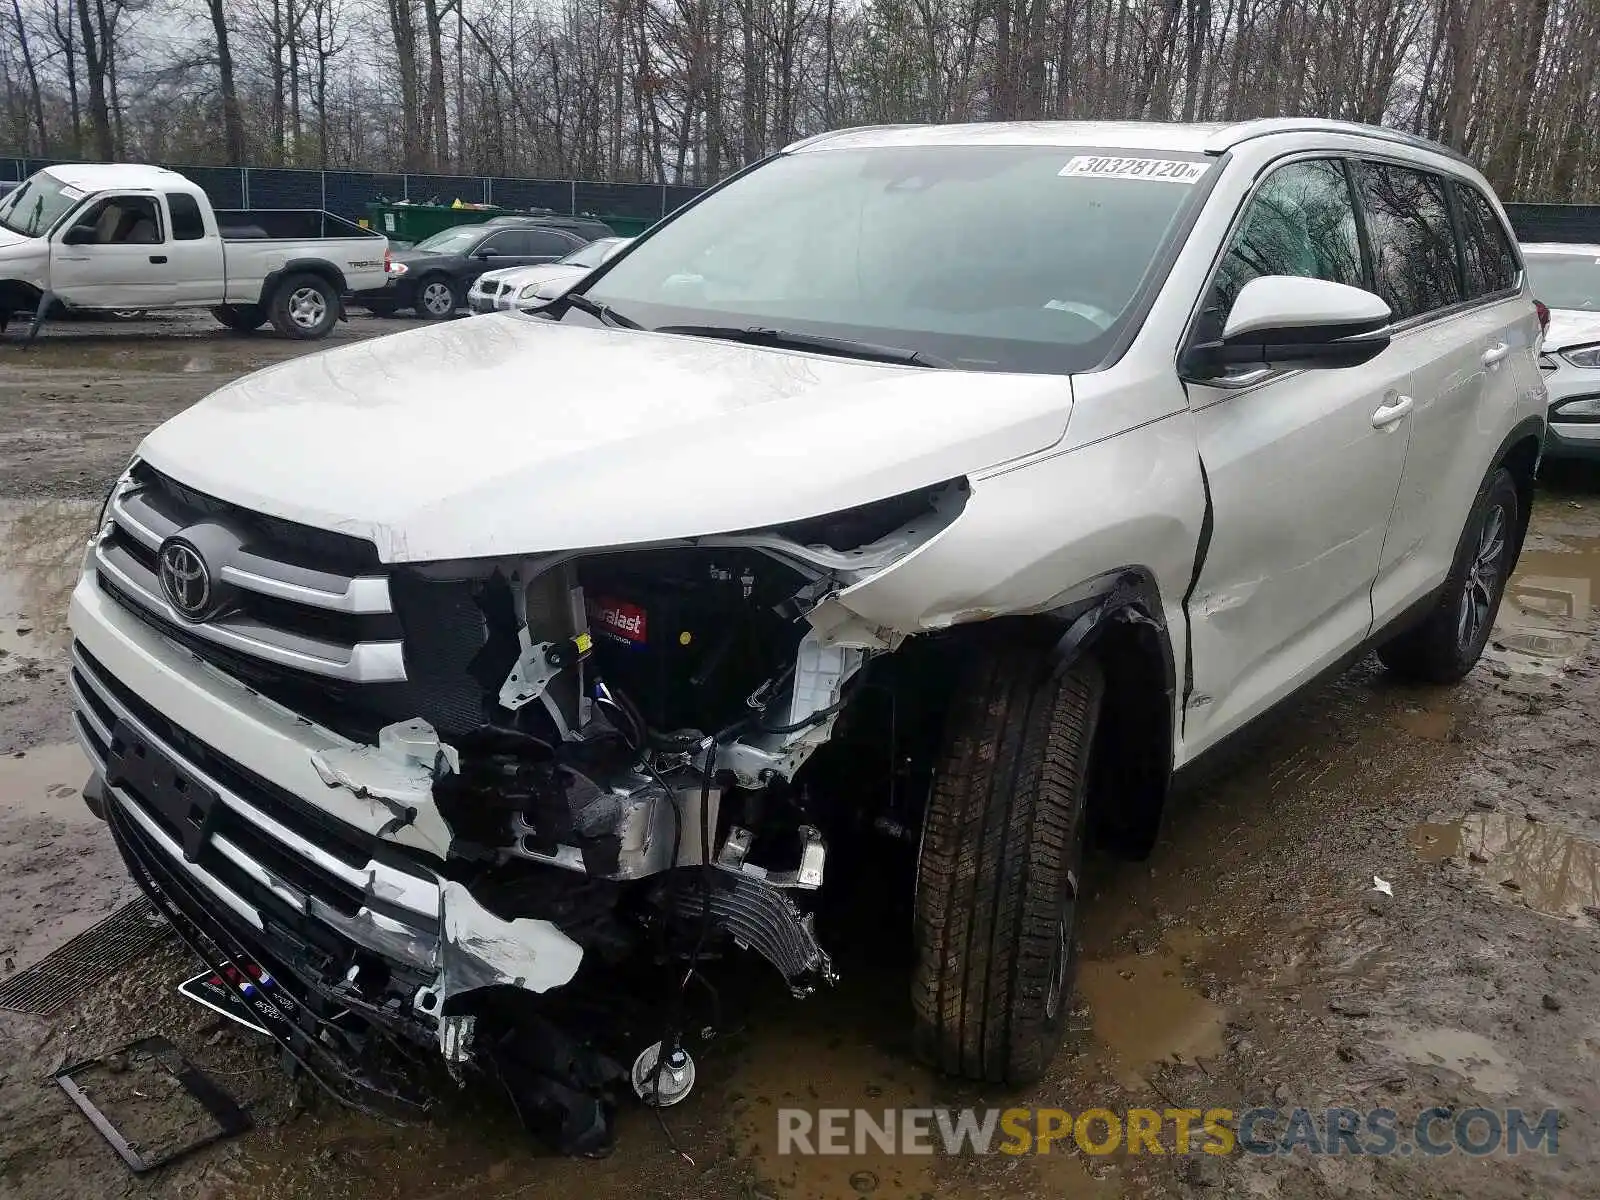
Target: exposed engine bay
643,782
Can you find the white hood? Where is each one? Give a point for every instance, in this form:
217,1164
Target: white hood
511,435
1571,327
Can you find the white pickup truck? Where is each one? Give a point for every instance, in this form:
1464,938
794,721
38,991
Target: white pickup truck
124,236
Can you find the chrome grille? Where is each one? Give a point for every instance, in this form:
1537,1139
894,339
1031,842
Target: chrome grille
302,599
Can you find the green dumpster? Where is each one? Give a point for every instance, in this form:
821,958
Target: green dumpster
413,222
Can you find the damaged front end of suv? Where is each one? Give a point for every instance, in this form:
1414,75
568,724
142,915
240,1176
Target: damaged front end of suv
589,764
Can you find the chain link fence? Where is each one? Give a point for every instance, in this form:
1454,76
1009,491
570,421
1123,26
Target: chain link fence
348,193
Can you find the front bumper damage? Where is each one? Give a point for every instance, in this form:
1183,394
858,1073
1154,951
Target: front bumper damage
407,890
371,954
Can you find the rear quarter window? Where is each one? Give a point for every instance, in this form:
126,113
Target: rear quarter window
1415,264
1490,261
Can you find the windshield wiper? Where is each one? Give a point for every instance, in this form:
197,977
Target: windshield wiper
602,312
755,335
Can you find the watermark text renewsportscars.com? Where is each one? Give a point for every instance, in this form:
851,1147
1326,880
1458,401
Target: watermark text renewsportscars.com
1216,1131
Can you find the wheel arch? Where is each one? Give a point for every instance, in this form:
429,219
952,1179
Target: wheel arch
18,295
1519,453
1118,620
303,266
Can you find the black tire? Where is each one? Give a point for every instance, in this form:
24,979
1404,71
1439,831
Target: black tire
241,318
1446,644
999,868
304,307
429,297
380,309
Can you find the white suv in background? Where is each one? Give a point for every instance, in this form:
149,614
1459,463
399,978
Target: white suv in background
1566,278
958,485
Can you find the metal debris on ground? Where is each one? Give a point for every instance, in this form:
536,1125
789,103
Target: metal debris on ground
228,1118
101,950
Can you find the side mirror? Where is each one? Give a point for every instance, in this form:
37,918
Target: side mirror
1288,323
78,235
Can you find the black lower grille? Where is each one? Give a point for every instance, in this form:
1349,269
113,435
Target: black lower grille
344,842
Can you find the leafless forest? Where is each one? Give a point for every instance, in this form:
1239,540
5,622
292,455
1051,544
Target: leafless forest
683,91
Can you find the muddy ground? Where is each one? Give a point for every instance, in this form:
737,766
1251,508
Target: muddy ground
1250,961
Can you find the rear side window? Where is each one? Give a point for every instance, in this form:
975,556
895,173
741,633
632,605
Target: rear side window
1491,263
187,224
1301,222
1413,243
550,241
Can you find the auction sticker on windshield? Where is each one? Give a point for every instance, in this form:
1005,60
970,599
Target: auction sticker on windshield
1169,170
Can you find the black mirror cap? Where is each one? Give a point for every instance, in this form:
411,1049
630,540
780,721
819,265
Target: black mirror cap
78,235
1288,350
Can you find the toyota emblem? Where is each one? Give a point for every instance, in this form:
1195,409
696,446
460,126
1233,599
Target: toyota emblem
186,580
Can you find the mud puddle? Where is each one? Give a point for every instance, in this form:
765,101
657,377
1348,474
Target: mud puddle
41,550
1543,619
1528,862
1147,1009
44,782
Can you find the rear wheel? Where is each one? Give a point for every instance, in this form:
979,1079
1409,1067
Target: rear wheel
438,297
304,307
999,868
1444,647
242,318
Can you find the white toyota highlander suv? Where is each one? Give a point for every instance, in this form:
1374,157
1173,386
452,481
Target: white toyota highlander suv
928,495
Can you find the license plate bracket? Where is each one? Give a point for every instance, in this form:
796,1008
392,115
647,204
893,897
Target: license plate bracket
186,806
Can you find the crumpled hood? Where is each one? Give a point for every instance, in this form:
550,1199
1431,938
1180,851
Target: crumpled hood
1571,327
511,435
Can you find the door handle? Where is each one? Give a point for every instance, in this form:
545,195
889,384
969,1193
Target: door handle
1391,411
74,257
158,258
1495,353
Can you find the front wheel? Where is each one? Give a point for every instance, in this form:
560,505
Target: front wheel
998,874
437,298
1444,647
304,307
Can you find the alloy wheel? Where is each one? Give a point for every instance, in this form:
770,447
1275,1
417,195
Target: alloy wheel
307,307
1483,578
438,299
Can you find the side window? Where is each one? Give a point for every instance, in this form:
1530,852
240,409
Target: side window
124,221
499,243
551,241
1413,242
187,223
1490,261
1302,221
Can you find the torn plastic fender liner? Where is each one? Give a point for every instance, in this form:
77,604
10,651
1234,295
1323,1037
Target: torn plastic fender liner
1130,599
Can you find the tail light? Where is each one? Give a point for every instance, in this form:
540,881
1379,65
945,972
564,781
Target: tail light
388,258
1543,309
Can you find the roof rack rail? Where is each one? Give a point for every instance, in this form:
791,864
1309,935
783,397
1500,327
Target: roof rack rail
1266,127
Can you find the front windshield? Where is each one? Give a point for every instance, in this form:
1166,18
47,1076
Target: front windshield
451,241
1006,258
1566,280
591,255
33,208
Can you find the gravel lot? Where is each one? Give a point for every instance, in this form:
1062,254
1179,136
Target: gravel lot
1251,961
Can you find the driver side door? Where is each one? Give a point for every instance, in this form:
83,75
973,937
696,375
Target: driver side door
124,264
1302,469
